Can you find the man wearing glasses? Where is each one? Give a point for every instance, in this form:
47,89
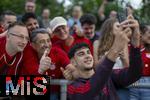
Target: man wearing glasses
15,56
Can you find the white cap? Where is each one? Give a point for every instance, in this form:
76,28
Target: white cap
57,21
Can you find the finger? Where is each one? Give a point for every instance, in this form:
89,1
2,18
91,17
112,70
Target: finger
130,17
129,25
124,22
68,77
127,22
66,72
46,52
70,67
46,66
47,62
62,69
128,29
125,30
41,70
47,59
127,39
128,32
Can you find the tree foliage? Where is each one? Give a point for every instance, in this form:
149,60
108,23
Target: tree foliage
57,8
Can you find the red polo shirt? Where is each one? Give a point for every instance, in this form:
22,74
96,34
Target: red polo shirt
61,43
59,59
23,63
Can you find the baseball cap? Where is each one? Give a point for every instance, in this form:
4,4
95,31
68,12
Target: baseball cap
57,21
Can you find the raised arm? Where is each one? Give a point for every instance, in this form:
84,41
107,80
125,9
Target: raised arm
125,77
95,84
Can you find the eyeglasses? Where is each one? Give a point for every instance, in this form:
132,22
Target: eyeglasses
20,36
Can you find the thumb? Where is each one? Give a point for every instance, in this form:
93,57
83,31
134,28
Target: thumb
46,52
62,69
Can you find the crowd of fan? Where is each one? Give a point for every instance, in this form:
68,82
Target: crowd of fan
104,65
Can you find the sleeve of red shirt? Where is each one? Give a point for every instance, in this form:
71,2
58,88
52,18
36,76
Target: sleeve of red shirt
30,62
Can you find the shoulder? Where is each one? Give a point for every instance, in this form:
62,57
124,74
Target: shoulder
79,87
57,50
2,40
58,53
96,43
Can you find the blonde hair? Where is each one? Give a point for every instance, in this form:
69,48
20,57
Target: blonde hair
107,38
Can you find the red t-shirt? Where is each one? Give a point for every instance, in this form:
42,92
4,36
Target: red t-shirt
61,43
23,63
30,63
7,63
146,61
59,59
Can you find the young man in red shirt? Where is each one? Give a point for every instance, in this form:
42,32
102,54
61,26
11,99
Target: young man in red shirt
62,38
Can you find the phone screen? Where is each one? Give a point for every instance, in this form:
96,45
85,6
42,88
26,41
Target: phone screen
122,15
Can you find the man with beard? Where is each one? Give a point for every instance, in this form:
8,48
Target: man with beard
88,24
102,83
31,22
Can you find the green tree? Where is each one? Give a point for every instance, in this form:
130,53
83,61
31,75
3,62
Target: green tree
14,5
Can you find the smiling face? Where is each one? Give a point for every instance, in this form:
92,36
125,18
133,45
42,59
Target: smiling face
32,24
62,32
41,43
89,30
18,38
83,59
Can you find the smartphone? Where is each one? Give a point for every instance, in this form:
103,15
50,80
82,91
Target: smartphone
122,15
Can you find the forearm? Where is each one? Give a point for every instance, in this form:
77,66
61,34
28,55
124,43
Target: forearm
126,77
135,68
135,41
125,57
101,11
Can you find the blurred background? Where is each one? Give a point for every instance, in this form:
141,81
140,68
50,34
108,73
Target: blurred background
64,7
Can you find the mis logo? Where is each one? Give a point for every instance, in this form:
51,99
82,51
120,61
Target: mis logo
26,85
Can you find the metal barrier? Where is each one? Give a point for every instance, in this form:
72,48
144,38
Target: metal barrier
63,83
136,85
